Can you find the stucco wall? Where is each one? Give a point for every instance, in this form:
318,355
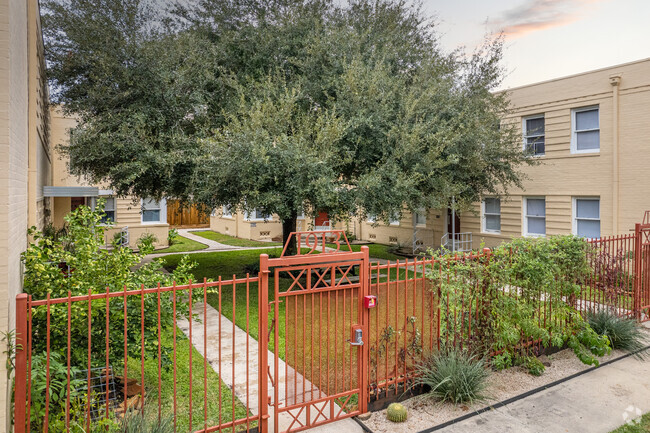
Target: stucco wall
13,167
563,176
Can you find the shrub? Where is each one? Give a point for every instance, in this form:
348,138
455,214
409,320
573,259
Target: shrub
146,243
455,376
93,268
623,334
533,365
172,236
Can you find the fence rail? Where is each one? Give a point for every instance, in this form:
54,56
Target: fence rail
202,352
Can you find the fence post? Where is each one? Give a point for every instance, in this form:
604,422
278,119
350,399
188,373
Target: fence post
263,362
20,397
364,279
637,270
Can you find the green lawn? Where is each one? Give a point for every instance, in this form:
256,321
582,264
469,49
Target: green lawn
183,390
181,245
233,241
377,251
642,426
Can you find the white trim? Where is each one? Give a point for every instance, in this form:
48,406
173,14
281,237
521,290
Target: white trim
524,214
105,192
162,206
423,213
525,135
483,214
574,214
574,132
228,215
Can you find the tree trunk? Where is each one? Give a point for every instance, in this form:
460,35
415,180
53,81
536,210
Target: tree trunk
289,226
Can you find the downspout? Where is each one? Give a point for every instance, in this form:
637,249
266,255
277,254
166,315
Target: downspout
615,81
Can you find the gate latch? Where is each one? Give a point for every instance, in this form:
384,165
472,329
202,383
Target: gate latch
357,336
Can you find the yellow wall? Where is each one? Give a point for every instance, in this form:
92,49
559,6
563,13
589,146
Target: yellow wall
392,234
617,174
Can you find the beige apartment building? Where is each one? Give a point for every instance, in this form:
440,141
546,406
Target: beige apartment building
591,135
130,217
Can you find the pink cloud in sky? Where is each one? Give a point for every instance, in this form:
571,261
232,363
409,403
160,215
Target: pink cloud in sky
536,15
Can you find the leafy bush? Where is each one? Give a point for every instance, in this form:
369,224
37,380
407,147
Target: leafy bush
455,376
92,268
623,334
146,243
509,288
172,236
533,365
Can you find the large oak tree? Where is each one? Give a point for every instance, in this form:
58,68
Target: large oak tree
285,107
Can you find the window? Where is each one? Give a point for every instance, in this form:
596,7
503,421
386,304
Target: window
421,218
535,217
152,211
109,208
585,136
586,217
492,215
394,220
372,218
534,135
257,215
225,212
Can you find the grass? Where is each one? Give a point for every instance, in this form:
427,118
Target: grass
215,413
376,251
642,425
181,245
319,311
233,241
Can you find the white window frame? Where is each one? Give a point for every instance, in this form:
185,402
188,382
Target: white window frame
574,131
575,218
394,221
484,214
254,217
421,213
162,206
225,212
525,217
107,195
526,136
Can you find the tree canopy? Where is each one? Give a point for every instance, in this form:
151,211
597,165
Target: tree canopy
286,107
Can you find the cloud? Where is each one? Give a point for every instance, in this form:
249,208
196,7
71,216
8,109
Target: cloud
536,15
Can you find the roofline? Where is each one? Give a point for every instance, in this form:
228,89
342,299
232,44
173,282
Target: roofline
647,59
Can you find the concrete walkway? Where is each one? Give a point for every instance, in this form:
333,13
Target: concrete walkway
237,351
595,402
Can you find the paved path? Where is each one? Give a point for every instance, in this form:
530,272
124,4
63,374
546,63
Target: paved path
237,350
595,402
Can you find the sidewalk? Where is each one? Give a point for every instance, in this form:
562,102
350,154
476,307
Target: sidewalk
595,402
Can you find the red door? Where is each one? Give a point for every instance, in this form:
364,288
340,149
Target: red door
321,219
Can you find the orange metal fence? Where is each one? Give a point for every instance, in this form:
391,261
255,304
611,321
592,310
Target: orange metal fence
276,348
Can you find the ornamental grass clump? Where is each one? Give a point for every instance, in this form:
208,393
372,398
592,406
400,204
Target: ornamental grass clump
624,334
455,376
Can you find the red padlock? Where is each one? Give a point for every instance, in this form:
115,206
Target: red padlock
370,301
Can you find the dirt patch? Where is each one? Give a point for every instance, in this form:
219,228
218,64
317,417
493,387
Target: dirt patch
425,412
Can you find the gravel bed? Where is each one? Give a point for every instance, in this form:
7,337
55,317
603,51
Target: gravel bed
425,412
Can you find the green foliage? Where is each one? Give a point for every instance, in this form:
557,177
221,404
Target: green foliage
396,412
455,376
139,424
146,243
501,361
58,389
172,237
623,334
51,268
300,106
533,365
525,290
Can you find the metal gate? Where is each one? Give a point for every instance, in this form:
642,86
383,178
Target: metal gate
317,371
642,269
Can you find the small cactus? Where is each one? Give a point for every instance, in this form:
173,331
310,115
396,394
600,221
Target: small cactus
396,412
